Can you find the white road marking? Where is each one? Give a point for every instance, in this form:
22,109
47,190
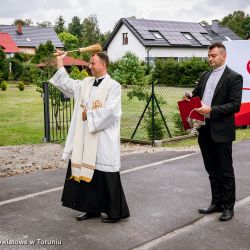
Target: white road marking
157,163
30,196
122,172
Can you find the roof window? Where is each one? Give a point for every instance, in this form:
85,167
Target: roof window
228,38
188,36
157,34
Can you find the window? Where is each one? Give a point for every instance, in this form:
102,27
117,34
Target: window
188,36
228,38
124,38
157,34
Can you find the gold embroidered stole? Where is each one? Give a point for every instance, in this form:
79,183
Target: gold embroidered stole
83,159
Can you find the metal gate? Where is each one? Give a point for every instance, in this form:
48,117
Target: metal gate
57,113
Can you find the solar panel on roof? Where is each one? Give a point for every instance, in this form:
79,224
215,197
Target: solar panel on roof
201,38
171,31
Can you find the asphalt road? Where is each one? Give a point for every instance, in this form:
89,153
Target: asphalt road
163,191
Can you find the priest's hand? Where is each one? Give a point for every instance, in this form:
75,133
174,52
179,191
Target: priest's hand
59,58
84,114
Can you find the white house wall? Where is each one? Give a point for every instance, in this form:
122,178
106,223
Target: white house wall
177,52
116,49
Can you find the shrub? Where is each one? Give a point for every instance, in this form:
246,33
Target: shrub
25,75
179,129
112,67
169,72
43,52
4,85
23,57
21,86
77,74
17,68
158,125
36,75
166,71
130,70
191,70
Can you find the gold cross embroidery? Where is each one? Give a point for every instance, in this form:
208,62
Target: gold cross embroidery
96,104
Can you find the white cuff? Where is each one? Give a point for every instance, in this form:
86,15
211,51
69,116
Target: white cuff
66,156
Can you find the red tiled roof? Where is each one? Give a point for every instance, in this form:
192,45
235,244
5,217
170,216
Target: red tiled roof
8,45
69,61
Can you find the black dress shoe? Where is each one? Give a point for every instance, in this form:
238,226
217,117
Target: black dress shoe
227,214
86,216
211,209
110,220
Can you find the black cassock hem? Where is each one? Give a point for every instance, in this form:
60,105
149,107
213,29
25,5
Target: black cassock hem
104,194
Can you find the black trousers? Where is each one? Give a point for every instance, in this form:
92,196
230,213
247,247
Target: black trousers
218,162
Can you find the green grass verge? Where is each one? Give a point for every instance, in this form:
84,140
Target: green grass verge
241,134
21,116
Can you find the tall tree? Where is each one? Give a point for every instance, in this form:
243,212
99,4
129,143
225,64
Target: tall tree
70,41
239,22
75,27
26,22
91,30
44,24
43,52
104,37
59,25
4,69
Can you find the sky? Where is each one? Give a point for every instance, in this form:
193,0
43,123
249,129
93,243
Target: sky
109,12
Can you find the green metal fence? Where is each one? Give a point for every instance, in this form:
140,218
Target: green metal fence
138,121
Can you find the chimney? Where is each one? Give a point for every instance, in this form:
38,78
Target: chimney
215,26
19,29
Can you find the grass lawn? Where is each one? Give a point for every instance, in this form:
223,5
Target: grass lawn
21,116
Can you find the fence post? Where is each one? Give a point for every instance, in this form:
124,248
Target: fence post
153,113
46,112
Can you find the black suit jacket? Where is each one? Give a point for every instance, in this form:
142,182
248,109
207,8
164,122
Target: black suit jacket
225,103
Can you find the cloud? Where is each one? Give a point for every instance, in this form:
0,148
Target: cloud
108,12
42,10
229,4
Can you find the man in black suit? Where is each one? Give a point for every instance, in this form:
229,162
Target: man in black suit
220,90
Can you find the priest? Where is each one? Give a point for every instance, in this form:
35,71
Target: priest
92,184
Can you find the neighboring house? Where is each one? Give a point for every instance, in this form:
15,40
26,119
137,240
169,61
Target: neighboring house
8,45
28,38
150,39
69,61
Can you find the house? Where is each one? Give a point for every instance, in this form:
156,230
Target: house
8,45
150,39
28,38
69,61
